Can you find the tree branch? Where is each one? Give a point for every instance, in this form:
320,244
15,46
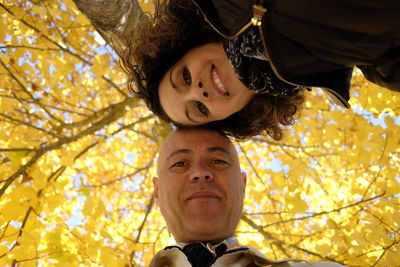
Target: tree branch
113,19
279,243
116,111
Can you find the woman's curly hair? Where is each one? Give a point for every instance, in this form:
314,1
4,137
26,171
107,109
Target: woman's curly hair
164,39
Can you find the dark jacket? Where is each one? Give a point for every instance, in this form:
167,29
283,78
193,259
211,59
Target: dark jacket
244,256
316,43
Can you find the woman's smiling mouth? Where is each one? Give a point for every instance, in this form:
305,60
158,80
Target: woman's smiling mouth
218,83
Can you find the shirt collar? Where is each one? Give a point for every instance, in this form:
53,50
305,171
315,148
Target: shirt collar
230,242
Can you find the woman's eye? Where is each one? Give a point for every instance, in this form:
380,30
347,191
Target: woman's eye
186,76
202,108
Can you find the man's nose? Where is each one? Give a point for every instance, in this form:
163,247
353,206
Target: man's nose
201,173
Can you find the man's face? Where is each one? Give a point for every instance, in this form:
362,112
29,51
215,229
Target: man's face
200,187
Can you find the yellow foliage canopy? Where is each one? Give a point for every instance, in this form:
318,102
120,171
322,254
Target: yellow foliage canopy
77,157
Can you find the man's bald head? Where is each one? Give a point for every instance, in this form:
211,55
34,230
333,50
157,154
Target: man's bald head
200,187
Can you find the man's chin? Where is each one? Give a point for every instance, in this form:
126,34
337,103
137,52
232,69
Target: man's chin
207,230
209,235
206,216
207,208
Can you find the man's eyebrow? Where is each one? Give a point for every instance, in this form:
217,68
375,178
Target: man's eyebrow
218,149
179,151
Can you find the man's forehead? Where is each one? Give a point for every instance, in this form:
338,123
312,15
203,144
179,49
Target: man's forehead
190,139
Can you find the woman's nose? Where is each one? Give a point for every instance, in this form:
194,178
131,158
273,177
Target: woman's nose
201,91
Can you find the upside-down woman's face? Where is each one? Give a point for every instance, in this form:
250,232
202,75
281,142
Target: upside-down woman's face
202,87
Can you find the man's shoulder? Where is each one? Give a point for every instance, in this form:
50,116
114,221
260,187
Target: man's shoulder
242,256
309,264
261,260
171,256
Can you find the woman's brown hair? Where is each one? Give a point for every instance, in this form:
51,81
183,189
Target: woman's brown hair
163,40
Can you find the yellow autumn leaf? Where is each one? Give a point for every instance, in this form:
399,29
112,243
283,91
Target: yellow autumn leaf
8,104
98,66
297,205
11,210
393,187
39,178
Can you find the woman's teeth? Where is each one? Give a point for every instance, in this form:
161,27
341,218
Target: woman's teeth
218,82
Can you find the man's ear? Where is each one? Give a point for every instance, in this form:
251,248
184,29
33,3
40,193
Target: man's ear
244,178
155,185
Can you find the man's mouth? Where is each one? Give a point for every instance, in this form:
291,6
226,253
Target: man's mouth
218,83
203,195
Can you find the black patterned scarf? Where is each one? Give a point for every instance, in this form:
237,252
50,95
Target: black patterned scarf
246,54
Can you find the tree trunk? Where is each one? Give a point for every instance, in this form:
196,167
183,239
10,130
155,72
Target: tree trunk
113,19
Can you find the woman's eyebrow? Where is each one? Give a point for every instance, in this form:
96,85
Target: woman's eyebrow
189,117
172,81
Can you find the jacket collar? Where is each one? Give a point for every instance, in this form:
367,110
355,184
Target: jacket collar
228,24
174,257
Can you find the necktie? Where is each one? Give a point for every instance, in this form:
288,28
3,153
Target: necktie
201,255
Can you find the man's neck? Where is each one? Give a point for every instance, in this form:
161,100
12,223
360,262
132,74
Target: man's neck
231,242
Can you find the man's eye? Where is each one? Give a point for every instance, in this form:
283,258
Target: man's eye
202,108
186,76
219,162
179,164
